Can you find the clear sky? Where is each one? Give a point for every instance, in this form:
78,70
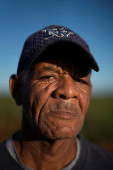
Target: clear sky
91,19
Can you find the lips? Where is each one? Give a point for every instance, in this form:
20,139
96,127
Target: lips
62,115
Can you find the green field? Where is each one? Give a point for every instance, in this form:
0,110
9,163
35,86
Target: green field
98,126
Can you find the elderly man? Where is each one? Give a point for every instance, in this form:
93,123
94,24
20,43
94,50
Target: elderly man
53,86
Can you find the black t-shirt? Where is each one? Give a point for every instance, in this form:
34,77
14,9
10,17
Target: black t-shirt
91,157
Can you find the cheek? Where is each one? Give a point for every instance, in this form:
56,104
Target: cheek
85,100
33,98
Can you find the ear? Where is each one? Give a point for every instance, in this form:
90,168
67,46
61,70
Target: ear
14,86
91,89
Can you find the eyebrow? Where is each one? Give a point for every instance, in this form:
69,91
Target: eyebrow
49,68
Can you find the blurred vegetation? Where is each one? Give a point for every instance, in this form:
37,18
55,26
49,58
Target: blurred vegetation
98,126
10,117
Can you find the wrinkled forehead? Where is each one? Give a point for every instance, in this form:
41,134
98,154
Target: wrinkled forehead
59,66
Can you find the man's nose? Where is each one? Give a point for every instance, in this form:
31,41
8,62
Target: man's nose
66,88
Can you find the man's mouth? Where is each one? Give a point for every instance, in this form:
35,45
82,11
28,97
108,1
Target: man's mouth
65,115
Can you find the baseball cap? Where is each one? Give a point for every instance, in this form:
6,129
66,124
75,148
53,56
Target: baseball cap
51,35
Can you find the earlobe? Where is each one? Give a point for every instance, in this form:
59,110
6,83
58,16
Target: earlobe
14,86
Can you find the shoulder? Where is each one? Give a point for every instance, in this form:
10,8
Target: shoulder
6,161
96,157
95,150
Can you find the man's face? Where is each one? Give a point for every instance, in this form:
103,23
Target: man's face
55,97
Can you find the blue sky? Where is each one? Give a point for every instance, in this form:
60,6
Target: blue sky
91,19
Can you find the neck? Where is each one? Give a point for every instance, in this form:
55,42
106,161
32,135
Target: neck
45,154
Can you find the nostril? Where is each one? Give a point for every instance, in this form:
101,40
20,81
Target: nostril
62,96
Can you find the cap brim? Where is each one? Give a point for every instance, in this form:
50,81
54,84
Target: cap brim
80,54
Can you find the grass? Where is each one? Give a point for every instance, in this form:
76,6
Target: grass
10,117
98,126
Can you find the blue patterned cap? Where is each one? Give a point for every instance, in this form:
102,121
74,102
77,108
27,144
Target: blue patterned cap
40,40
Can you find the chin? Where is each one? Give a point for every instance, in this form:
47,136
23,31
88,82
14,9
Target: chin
60,137
60,133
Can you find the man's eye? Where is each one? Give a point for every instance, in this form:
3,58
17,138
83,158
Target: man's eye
81,81
47,77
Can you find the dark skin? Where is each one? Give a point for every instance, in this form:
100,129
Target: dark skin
55,96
